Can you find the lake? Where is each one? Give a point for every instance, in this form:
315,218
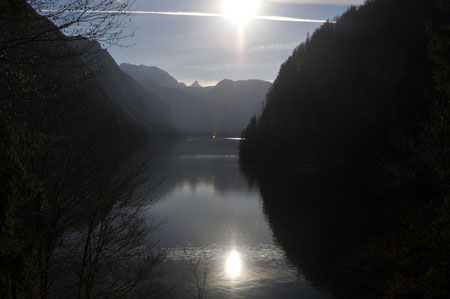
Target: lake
215,219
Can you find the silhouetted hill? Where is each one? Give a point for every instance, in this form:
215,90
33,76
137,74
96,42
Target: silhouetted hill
61,105
56,91
185,108
224,108
142,105
340,95
231,103
367,101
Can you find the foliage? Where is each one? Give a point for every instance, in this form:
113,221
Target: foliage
68,211
339,96
368,97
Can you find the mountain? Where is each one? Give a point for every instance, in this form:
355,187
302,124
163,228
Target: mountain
71,96
366,101
140,104
224,108
195,84
185,104
66,133
231,103
341,94
151,74
56,91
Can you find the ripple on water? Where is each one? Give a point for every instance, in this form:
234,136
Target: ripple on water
237,270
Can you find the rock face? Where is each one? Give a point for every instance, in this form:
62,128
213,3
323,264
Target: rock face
198,110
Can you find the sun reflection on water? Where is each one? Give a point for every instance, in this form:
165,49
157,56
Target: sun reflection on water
233,264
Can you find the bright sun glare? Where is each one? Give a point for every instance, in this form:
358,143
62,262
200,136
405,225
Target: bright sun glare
241,11
233,264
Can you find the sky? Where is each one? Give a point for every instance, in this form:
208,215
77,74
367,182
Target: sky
199,43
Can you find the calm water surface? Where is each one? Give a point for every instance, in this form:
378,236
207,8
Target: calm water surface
214,218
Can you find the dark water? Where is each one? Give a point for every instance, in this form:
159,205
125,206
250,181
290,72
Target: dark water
236,222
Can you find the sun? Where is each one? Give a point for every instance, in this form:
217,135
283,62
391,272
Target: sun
241,11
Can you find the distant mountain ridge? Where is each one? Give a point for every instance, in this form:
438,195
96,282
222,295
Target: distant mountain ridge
195,84
143,73
230,103
224,108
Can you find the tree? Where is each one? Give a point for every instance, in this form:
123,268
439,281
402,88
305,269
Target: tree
197,276
367,98
57,168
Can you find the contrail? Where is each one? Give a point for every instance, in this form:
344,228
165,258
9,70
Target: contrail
195,14
287,19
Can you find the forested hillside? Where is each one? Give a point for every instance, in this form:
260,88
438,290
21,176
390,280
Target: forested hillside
353,89
365,100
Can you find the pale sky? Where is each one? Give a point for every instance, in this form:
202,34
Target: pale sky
195,44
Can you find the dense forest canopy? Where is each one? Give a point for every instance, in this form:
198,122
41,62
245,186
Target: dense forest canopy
367,93
367,98
345,90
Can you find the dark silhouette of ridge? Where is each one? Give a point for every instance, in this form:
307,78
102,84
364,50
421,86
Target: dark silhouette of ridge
365,101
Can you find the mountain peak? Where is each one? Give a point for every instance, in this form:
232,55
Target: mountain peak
195,84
